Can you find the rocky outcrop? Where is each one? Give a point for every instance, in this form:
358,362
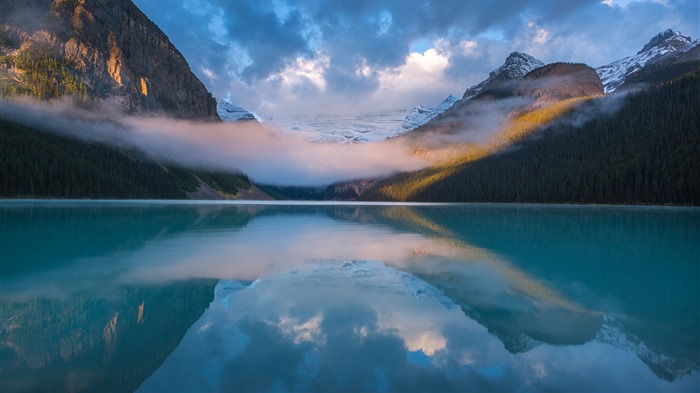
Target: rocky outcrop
516,66
109,49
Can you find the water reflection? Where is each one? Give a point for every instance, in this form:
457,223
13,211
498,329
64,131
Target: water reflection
85,342
368,298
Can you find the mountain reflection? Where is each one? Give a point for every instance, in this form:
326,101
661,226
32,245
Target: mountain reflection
358,298
92,343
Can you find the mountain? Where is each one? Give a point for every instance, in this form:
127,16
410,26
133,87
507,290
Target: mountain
423,113
503,109
231,113
640,150
374,127
506,93
501,83
105,50
552,136
103,54
516,66
665,47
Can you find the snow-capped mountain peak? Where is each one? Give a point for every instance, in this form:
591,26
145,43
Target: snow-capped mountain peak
230,113
613,75
423,113
669,39
516,66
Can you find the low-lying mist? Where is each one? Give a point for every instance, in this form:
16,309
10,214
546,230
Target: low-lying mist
267,156
270,156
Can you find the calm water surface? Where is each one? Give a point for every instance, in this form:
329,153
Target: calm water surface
156,297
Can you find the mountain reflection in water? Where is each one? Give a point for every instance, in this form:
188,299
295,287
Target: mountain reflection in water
348,297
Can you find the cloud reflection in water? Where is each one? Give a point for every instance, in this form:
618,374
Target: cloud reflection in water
353,326
436,310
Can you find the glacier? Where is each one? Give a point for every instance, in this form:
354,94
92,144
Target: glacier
365,127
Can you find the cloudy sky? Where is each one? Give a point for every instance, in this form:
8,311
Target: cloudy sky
343,56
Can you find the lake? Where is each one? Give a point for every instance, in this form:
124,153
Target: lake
192,297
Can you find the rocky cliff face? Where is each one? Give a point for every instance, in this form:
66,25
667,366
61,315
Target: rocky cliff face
100,49
559,81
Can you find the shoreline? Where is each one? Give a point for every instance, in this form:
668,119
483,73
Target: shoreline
87,201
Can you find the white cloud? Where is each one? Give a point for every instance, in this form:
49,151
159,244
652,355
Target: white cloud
420,80
308,331
427,341
363,69
536,34
302,69
625,3
422,74
468,47
209,74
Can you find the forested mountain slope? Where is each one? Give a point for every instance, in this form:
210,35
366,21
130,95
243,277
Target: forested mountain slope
36,163
644,153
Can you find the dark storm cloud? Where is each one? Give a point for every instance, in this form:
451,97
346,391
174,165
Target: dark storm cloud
268,40
240,47
380,32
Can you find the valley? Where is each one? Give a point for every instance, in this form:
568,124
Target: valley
504,121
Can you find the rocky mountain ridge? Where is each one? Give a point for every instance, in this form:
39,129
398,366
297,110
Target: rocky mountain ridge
104,50
665,47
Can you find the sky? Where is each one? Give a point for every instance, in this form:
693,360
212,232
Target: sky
295,57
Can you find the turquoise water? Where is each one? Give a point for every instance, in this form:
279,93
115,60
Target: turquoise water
157,296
